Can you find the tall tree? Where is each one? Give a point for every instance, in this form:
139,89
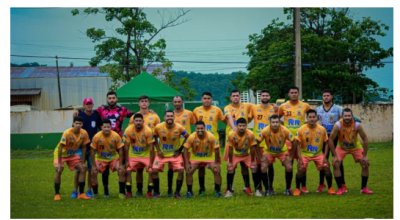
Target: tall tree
135,49
337,48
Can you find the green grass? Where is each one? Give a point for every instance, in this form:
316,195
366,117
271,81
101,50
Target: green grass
32,193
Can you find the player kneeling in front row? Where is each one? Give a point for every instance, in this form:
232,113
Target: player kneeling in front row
347,130
139,142
242,146
169,150
309,141
275,136
204,152
71,140
107,142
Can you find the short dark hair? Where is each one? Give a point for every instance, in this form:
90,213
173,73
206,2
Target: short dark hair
138,115
105,121
235,91
111,93
311,111
274,117
347,110
78,118
206,93
294,87
264,91
200,123
178,96
327,90
168,111
241,121
143,97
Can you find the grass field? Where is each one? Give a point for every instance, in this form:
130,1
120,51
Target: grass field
32,193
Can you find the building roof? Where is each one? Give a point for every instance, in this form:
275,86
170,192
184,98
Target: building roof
25,91
51,71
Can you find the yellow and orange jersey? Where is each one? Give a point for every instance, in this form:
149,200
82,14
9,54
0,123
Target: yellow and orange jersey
261,119
138,141
72,142
185,118
107,147
151,120
169,138
275,142
242,111
348,135
311,140
202,149
210,117
241,144
294,115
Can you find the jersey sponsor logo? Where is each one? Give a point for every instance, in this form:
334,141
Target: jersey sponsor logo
137,150
275,149
200,111
294,123
347,145
307,132
196,141
300,106
167,148
258,110
212,111
241,151
199,154
100,141
262,126
163,131
318,132
208,128
312,149
287,106
272,111
112,140
106,155
150,118
184,115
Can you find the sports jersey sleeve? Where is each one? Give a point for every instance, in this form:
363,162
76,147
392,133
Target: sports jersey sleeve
214,143
261,136
131,120
99,109
226,110
229,140
221,116
94,142
288,135
64,138
308,107
126,136
280,111
189,142
298,135
325,136
193,119
149,137
119,142
182,130
252,140
157,120
156,131
86,139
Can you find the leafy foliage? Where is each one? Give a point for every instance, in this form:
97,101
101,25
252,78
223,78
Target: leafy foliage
34,64
338,48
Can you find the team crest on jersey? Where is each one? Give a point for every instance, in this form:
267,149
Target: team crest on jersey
307,132
111,146
212,111
287,106
183,122
63,139
258,110
279,141
226,111
79,144
100,141
316,139
149,125
352,136
143,135
196,141
184,115
318,132
157,162
173,138
112,140
211,118
242,114
270,134
122,141
344,130
142,140
163,131
331,118
246,143
300,106
216,142
299,113
200,111
206,147
93,124
235,138
271,111
150,118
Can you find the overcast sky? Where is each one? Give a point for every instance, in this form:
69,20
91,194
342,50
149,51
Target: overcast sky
211,34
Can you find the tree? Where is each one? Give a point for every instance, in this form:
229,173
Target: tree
338,48
130,53
34,64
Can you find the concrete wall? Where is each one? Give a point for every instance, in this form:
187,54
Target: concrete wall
43,129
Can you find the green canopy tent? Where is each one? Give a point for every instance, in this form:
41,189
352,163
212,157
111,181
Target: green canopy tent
146,84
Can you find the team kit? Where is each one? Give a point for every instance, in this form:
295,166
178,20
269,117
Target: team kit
96,144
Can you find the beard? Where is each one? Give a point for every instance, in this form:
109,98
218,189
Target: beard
112,105
264,102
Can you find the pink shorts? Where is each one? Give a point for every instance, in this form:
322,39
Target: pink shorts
102,165
202,163
318,160
271,157
357,154
245,159
256,155
289,147
183,158
72,161
138,163
177,163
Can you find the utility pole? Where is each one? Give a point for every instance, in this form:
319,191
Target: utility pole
58,79
297,54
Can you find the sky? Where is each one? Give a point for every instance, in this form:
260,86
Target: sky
210,34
